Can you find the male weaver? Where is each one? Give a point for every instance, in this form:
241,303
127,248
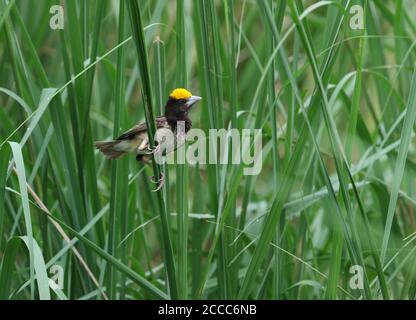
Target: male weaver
136,139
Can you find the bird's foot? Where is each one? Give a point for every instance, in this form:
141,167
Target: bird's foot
152,150
160,183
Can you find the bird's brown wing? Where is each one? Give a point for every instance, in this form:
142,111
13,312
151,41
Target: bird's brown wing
133,140
140,129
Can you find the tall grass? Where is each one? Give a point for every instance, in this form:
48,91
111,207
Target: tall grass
336,108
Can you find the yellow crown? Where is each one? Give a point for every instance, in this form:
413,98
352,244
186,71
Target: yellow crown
180,93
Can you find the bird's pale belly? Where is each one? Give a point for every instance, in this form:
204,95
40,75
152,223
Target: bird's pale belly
169,141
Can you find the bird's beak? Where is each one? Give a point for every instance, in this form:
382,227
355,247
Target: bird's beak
192,100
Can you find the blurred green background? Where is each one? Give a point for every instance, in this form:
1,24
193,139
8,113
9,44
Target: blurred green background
330,216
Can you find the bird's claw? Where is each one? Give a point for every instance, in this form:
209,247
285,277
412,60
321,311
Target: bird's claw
160,183
152,150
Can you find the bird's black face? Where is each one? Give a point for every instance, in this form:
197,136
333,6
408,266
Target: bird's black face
179,108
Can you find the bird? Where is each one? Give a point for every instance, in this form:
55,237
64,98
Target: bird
136,140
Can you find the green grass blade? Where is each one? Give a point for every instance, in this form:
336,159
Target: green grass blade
405,140
21,174
140,43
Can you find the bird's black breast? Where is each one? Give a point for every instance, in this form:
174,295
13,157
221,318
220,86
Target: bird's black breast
173,123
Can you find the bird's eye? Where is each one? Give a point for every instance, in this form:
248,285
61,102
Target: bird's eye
182,100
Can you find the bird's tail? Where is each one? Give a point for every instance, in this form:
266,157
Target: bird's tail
110,149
